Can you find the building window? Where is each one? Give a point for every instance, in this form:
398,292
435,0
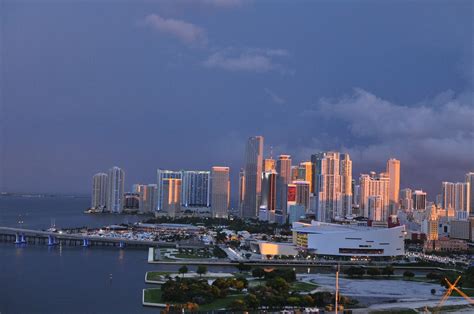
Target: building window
360,251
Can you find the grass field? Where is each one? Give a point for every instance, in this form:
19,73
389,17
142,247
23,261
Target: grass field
156,275
303,286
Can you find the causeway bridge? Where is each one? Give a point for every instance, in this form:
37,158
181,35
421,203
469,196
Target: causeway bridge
24,236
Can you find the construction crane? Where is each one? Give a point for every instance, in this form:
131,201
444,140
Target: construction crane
452,287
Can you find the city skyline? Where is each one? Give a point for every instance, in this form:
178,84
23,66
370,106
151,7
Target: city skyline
152,96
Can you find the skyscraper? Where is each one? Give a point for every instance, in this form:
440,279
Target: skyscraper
406,199
147,197
283,169
305,172
269,179
253,176
470,180
269,164
171,197
99,191
332,185
195,189
448,195
302,194
374,185
162,175
393,170
141,190
220,192
346,184
241,190
462,197
419,200
375,208
115,195
152,198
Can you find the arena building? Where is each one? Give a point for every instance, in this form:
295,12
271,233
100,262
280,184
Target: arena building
348,240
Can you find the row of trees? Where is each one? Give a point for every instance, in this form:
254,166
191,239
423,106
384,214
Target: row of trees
199,291
288,275
355,272
277,294
201,270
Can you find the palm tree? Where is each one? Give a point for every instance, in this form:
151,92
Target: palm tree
201,270
183,270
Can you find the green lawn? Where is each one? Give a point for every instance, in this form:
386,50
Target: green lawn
300,286
185,255
156,275
154,296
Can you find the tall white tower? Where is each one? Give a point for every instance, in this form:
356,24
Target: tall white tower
99,191
115,196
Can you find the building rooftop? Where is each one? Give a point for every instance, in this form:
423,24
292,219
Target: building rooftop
324,227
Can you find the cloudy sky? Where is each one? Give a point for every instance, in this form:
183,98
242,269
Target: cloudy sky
86,85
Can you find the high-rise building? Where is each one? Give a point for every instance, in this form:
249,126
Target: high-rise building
195,189
419,200
269,164
393,170
141,191
429,225
456,196
295,173
305,173
241,190
332,185
406,199
302,194
375,208
151,198
220,192
346,184
470,180
148,197
283,169
269,179
448,195
253,176
171,196
99,191
115,194
462,197
374,185
131,201
161,176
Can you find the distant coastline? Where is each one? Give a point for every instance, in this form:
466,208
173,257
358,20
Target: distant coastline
41,195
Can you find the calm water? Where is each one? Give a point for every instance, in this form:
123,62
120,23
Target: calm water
40,279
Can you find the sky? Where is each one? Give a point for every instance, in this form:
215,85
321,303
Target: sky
87,85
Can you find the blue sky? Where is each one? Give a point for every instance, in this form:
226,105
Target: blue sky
87,85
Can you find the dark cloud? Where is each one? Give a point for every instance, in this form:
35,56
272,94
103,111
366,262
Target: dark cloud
434,140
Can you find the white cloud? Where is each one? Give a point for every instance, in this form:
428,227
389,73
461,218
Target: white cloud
186,32
249,60
274,97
